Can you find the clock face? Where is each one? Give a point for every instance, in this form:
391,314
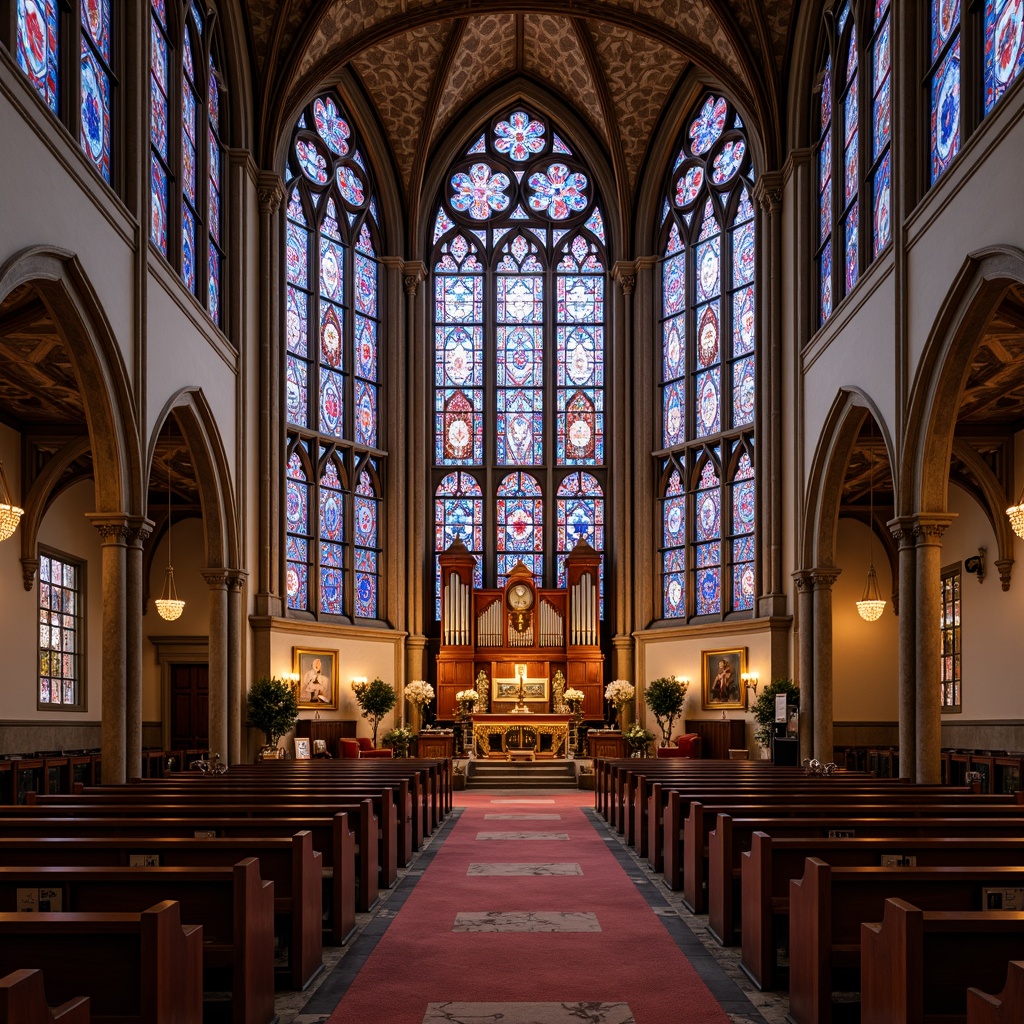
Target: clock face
520,597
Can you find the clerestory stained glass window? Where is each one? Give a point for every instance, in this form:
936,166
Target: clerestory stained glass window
519,271
333,492
707,369
1003,47
944,84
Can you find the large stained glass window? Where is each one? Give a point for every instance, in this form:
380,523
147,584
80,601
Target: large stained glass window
824,258
332,371
46,40
849,206
880,175
187,155
519,269
1003,47
708,355
944,84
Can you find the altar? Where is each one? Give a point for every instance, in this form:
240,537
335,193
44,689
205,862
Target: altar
510,735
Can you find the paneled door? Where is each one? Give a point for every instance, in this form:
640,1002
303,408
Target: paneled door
190,706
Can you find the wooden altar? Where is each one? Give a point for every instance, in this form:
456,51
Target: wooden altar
541,631
507,736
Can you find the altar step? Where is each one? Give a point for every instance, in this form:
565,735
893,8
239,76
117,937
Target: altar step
521,775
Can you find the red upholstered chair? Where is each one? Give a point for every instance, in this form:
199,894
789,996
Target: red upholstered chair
348,748
362,746
687,745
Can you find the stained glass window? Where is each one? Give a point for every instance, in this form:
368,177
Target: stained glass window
61,631
332,360
849,205
708,366
825,300
39,47
1003,47
96,84
880,49
519,276
944,85
186,201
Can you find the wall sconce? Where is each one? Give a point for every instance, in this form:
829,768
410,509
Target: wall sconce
976,564
358,681
750,682
291,678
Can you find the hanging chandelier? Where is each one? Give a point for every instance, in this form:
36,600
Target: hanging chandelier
871,605
10,514
168,605
1016,515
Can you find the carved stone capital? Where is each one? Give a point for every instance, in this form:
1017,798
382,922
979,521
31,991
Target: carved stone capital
1004,566
929,527
804,581
625,273
902,530
30,566
270,190
112,529
217,579
140,530
236,579
768,192
414,273
824,577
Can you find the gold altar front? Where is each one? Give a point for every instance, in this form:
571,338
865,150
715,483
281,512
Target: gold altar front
512,735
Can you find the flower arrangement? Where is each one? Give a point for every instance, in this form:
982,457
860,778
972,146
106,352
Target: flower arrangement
573,696
419,692
466,699
619,692
638,738
399,739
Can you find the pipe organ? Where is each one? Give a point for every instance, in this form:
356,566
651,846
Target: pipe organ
493,630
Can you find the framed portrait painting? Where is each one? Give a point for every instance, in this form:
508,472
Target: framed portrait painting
722,679
318,677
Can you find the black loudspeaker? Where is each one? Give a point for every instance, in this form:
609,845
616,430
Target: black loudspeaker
786,751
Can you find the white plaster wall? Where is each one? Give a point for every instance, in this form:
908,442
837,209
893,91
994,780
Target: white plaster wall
865,655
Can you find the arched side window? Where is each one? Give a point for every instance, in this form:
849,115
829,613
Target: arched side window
707,370
332,371
519,269
944,85
48,38
186,149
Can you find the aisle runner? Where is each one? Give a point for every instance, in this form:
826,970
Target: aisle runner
524,917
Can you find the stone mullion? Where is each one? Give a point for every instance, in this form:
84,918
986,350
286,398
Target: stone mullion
114,533
269,588
822,581
902,530
805,659
139,531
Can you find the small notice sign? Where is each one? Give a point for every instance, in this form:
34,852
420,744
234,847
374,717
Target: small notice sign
40,901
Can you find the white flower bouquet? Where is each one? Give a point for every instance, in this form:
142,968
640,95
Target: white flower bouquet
419,692
572,696
620,692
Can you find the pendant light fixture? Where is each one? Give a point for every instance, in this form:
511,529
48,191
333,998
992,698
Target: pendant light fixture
871,605
10,514
167,604
1015,513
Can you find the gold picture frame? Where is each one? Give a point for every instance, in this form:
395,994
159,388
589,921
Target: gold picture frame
318,678
536,690
722,679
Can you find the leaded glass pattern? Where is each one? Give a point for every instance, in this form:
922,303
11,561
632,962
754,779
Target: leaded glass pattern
214,160
1003,48
848,201
825,302
332,357
519,274
61,631
944,85
708,362
297,535
880,48
159,125
741,490
95,84
38,48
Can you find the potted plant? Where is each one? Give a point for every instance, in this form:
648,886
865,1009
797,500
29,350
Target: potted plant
763,710
398,739
272,706
621,693
639,740
665,697
375,700
419,693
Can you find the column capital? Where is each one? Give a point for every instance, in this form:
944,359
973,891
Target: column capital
140,529
30,566
624,272
414,273
902,529
804,580
235,578
823,577
270,189
928,527
768,191
217,579
112,528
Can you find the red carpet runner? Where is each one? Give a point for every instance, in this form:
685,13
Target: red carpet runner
628,970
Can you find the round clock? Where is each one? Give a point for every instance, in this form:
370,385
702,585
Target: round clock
520,597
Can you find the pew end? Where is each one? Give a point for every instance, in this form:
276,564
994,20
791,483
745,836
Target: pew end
23,1001
1006,1007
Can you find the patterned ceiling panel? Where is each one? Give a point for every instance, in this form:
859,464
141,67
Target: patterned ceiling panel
640,75
261,20
553,54
694,19
487,52
780,21
398,75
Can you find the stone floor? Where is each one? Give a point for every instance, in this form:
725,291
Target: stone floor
718,967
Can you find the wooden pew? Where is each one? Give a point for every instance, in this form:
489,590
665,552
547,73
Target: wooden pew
771,862
917,965
234,906
1005,1008
143,968
23,1001
292,864
828,906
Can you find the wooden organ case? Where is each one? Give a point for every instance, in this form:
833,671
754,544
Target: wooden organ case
495,630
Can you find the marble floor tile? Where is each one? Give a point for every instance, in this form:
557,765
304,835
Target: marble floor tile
528,1013
522,817
538,870
525,921
482,837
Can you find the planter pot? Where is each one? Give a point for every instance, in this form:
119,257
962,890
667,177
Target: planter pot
415,717
459,781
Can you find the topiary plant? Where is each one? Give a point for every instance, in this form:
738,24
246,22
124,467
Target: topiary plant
665,697
376,699
272,706
763,709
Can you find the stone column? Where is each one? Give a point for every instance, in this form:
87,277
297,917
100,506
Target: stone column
139,531
822,581
217,581
805,659
235,580
114,532
928,531
269,588
902,529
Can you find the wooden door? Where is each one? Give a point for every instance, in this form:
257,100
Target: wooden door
190,707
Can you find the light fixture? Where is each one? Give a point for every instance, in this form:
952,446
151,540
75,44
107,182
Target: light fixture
749,680
1016,514
167,604
871,605
358,681
10,514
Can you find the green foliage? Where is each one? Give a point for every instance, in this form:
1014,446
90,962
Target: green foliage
273,706
763,709
399,739
665,697
375,699
638,738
